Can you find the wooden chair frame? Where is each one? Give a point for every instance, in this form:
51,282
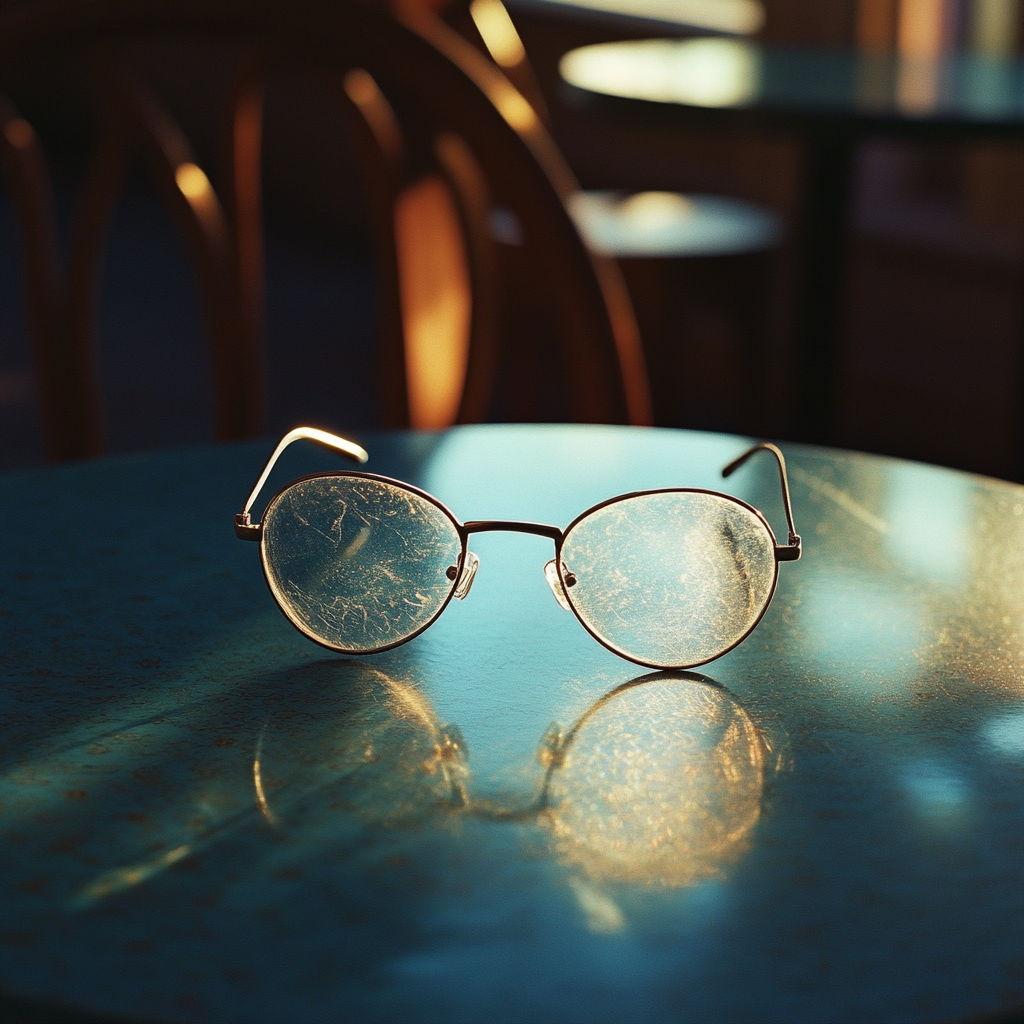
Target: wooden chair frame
479,131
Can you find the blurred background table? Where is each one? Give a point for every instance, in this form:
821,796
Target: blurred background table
832,100
206,817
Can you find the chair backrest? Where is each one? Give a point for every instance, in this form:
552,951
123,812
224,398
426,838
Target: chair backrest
424,106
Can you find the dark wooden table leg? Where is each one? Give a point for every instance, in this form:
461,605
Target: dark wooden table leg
827,189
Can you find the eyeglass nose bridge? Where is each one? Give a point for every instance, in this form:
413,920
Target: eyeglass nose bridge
510,526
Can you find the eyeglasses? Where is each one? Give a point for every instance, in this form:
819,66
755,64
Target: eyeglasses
669,578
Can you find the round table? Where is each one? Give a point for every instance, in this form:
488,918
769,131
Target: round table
831,100
206,817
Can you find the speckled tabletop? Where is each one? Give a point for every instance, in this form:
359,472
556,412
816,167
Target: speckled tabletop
203,816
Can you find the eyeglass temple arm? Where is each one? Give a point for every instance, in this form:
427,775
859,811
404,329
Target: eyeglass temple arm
783,552
244,529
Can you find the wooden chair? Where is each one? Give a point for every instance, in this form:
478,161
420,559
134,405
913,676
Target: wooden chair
437,127
665,243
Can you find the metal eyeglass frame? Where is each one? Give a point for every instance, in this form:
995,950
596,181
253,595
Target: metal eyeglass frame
462,574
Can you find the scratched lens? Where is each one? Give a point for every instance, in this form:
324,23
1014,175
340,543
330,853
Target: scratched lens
670,579
358,564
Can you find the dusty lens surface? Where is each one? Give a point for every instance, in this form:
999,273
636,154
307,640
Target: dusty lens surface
358,563
670,579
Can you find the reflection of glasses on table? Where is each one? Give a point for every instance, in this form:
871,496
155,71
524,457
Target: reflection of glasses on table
668,578
659,782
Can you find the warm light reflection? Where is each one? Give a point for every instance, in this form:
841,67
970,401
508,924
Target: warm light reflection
378,114
261,800
647,209
257,780
515,109
737,17
19,133
119,879
917,85
383,753
876,25
925,30
919,27
196,188
436,301
193,182
698,72
497,31
660,783
360,87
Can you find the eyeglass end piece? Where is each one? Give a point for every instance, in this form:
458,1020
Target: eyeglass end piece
780,459
246,530
790,552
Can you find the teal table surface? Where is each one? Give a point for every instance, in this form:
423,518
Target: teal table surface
204,816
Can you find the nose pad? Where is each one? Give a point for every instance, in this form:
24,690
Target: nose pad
551,575
469,568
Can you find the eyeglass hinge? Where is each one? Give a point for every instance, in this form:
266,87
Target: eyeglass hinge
789,552
245,530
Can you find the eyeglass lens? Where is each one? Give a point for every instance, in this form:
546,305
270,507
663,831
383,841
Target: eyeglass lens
356,563
671,579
